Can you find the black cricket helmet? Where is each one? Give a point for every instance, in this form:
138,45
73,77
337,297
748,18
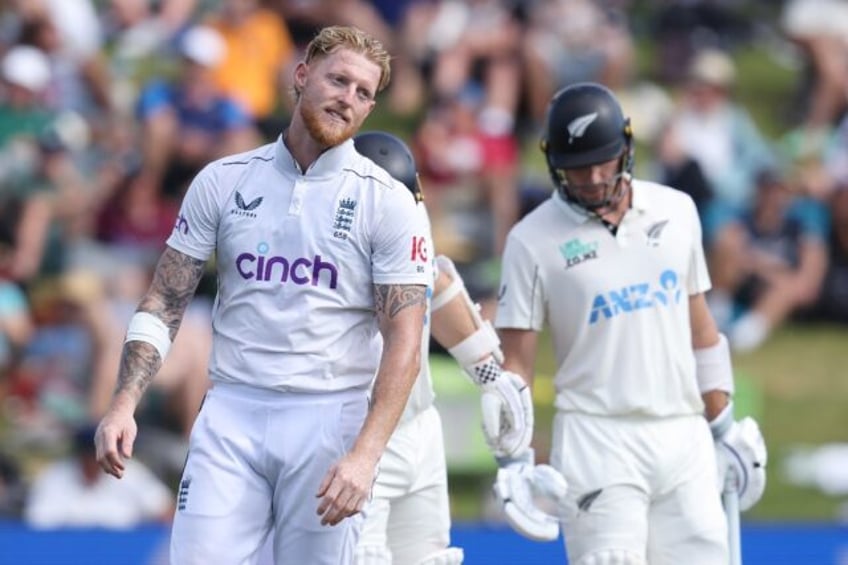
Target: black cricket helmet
585,126
393,155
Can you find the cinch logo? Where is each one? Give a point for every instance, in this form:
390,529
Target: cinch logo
246,209
575,252
182,224
300,271
637,297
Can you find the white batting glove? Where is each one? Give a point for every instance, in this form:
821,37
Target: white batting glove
507,408
740,449
531,496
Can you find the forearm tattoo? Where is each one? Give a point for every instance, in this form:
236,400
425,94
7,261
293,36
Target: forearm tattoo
390,299
174,283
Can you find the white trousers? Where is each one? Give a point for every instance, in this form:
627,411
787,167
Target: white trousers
409,512
645,485
256,459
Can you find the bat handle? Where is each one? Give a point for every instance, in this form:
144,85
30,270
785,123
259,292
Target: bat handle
730,501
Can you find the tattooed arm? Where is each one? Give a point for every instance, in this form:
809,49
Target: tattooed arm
400,314
173,286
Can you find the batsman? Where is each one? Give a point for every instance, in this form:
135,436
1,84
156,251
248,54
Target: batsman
644,432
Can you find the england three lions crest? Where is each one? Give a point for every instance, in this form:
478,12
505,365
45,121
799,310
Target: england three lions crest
343,220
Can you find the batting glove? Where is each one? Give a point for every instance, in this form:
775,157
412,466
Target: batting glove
740,449
531,496
507,408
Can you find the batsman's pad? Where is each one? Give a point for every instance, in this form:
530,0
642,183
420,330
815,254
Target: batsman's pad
523,489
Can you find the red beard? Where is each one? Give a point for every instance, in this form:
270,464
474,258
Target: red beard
324,129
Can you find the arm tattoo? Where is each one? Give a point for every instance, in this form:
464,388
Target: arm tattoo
174,283
390,299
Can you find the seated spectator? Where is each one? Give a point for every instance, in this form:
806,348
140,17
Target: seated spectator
820,29
570,41
75,492
189,122
463,169
769,264
832,302
712,129
33,172
256,68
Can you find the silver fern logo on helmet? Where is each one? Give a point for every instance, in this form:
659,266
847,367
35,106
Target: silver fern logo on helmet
578,126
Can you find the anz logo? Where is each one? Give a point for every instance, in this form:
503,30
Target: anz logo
664,294
246,208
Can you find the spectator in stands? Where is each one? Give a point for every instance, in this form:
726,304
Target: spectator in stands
16,325
74,492
820,29
465,168
485,36
256,67
769,264
24,116
189,122
712,129
570,41
832,302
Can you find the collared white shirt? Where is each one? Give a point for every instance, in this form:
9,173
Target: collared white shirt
617,305
297,255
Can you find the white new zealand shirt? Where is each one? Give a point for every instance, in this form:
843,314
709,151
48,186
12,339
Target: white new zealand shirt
297,255
617,305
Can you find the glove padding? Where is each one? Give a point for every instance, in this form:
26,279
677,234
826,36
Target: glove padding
506,407
523,489
741,450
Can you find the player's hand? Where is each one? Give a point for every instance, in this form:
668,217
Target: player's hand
531,496
507,410
346,488
741,449
114,439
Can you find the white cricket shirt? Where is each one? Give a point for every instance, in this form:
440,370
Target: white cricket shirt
297,256
617,305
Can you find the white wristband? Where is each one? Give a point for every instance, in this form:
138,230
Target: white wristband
712,367
149,329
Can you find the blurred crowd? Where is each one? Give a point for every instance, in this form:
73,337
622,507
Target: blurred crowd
109,107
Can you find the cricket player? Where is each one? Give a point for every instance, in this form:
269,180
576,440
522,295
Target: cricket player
616,268
408,518
323,271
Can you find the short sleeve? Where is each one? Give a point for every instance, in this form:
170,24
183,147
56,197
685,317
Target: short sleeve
521,293
401,244
195,231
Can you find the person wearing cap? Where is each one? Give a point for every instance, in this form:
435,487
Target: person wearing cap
25,75
25,202
190,121
644,431
712,129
